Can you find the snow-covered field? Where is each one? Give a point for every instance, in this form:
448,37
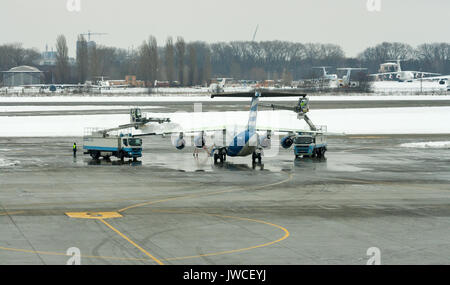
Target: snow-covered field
7,162
426,120
12,99
438,144
416,86
66,108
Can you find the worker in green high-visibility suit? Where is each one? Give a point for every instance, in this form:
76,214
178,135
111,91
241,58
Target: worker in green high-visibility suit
303,106
74,149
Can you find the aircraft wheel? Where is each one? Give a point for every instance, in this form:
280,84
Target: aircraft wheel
222,155
216,157
95,155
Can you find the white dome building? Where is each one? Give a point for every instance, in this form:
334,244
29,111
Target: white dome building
22,75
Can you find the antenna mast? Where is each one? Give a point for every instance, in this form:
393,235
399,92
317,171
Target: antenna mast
254,34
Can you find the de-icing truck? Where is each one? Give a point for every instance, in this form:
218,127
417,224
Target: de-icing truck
100,143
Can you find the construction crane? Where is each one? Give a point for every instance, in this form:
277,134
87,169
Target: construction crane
89,34
254,34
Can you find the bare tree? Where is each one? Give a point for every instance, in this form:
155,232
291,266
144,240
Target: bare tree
154,60
144,62
193,68
62,60
170,59
148,55
82,59
12,55
207,68
180,49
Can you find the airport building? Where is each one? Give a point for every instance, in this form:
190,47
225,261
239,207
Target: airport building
47,57
22,75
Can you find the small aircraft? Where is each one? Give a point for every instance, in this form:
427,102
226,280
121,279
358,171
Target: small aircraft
218,87
236,143
403,75
325,74
345,81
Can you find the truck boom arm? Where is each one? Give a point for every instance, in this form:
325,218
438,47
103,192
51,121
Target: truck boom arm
301,109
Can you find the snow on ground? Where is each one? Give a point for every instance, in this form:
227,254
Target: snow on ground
415,86
426,120
208,99
439,144
415,120
56,126
6,162
65,108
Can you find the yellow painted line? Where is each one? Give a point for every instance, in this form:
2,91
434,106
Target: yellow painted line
11,213
285,236
101,215
368,137
205,194
63,254
132,242
94,215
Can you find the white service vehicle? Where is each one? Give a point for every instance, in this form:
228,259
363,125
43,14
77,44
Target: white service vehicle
101,144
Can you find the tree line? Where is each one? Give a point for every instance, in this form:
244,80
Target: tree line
195,63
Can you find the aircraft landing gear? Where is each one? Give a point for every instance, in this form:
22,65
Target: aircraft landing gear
256,156
220,156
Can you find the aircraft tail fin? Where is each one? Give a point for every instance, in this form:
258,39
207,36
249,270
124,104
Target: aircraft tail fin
253,114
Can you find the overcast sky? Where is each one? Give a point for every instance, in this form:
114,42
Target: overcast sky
348,23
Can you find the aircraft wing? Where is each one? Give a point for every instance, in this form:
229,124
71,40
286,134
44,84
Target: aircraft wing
443,77
263,93
415,72
295,131
384,73
192,131
427,73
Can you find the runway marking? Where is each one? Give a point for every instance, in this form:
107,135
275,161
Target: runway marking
368,137
132,242
285,236
64,254
11,213
94,215
233,189
99,216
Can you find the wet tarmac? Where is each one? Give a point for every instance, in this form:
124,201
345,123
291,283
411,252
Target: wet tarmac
207,106
174,209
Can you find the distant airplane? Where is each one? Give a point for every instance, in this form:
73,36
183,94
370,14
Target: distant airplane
345,81
217,87
404,75
325,74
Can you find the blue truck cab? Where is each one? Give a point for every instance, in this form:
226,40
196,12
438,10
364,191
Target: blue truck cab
310,144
